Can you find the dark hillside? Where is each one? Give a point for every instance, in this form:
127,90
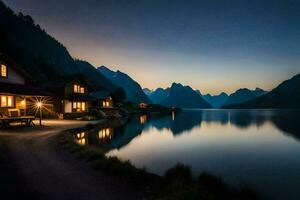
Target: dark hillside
38,53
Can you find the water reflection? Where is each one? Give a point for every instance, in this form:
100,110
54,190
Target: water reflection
288,121
173,115
106,133
117,134
80,138
111,135
259,147
143,119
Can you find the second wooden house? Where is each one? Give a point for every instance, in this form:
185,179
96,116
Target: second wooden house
71,95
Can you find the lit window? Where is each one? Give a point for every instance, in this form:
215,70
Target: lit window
82,90
79,106
3,101
105,104
7,101
76,88
74,105
3,70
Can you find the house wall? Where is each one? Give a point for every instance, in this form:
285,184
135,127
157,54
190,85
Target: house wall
13,76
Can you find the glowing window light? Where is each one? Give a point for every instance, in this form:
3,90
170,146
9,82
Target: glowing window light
23,102
74,105
83,106
76,88
3,101
7,101
79,106
82,90
3,70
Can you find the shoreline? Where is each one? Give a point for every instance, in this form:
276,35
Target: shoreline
49,172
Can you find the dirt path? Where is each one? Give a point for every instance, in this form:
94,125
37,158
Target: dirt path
50,173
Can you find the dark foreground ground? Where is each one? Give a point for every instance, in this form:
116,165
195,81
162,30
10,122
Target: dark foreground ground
32,167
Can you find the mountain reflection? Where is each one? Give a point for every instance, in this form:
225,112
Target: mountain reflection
288,121
116,134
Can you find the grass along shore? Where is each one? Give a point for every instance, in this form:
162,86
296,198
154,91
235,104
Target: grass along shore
176,184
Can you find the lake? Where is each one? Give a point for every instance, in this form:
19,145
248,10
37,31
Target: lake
257,148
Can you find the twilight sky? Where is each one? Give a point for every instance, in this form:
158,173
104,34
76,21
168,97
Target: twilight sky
211,45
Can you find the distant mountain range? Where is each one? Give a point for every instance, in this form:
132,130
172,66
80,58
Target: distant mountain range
133,90
285,95
184,97
239,96
243,95
216,101
158,95
177,96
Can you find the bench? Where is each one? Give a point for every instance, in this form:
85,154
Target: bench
14,116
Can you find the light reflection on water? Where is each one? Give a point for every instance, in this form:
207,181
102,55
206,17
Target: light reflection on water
80,138
257,147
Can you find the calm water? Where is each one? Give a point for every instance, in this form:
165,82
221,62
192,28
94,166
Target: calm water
259,148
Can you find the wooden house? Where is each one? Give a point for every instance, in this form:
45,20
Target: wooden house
103,98
17,94
71,95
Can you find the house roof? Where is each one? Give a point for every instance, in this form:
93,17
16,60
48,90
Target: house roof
20,89
11,62
100,94
63,80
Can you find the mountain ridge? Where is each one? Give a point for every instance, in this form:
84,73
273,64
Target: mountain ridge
184,97
217,101
134,92
286,95
243,95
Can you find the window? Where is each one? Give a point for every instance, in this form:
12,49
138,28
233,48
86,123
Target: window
105,104
3,71
79,106
7,101
78,89
82,90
